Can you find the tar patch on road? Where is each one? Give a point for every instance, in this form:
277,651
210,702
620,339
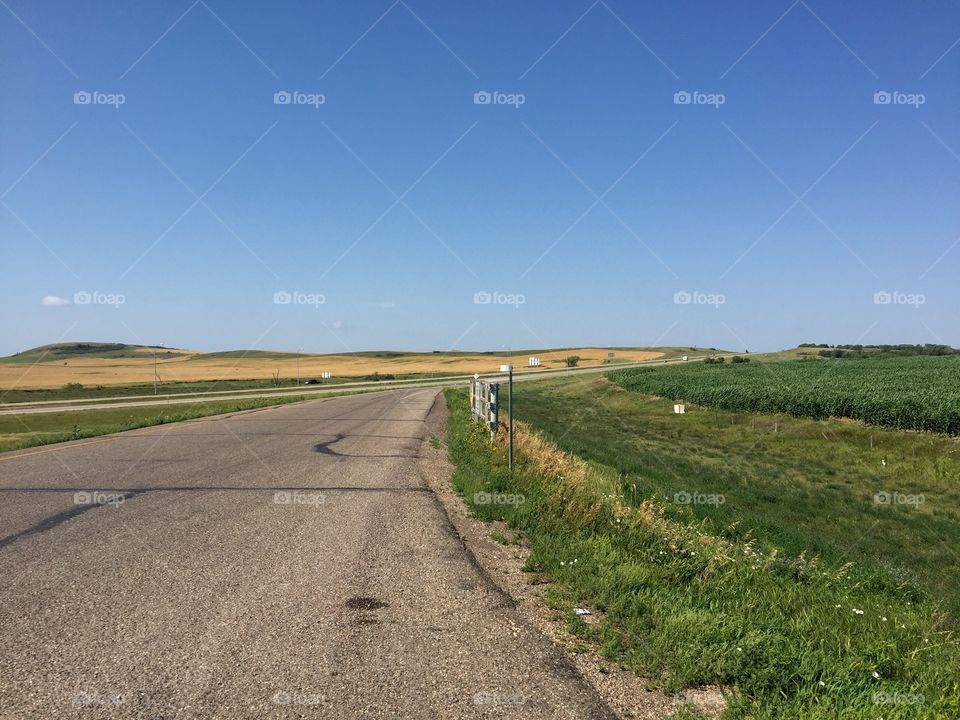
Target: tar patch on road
325,449
365,606
365,603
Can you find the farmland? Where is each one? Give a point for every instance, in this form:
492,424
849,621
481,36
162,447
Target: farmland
809,566
912,393
115,365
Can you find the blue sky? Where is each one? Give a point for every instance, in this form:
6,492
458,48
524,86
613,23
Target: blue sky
587,203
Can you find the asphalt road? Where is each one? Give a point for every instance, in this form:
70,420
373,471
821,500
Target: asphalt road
284,563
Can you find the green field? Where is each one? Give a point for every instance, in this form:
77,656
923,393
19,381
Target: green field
67,351
915,393
771,535
29,430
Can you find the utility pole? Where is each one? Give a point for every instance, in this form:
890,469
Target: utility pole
155,371
299,350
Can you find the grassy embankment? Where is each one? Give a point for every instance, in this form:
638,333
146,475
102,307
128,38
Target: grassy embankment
796,592
29,430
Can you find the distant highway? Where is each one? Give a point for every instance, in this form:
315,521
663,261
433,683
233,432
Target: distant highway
522,375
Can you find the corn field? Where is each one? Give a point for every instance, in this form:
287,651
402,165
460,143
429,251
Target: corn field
910,393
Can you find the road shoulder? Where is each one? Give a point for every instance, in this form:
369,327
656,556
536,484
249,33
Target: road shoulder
624,693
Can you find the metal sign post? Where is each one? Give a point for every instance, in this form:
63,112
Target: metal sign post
509,370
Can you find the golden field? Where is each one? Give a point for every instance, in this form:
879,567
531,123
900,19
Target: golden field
187,366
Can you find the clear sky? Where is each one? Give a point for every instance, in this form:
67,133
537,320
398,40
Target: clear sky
703,173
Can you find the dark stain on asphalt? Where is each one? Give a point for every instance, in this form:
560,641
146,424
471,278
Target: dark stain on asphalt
365,619
365,603
325,449
88,502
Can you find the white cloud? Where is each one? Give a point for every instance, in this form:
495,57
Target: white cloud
54,301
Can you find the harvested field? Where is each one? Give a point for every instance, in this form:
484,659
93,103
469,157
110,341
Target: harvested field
37,371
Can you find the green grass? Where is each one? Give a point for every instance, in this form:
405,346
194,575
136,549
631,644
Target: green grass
695,595
30,430
917,393
66,351
795,484
95,392
106,392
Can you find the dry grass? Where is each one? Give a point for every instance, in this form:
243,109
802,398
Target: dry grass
193,366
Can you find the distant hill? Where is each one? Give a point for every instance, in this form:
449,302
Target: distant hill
66,351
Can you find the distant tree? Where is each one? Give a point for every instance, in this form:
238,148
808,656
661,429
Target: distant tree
571,360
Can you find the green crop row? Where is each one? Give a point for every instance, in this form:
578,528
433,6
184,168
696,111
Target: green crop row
911,393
